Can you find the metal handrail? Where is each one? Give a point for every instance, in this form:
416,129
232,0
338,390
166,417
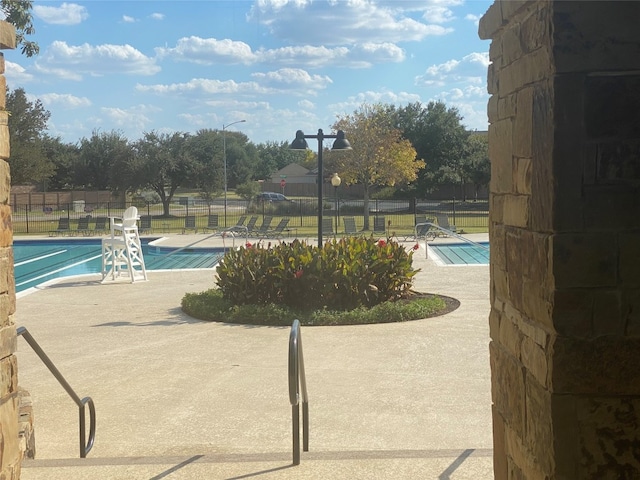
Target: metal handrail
297,389
85,446
449,233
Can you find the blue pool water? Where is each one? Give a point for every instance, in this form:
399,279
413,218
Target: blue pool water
37,261
461,253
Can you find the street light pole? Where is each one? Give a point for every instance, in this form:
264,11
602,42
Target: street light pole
336,181
224,158
300,143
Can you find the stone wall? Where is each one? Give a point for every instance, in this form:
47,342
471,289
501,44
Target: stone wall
10,453
564,142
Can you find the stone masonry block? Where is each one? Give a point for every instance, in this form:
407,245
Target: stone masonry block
6,229
499,447
7,36
507,107
499,284
5,150
3,89
511,48
492,79
523,124
494,323
492,109
8,375
534,359
527,70
11,454
495,53
510,337
515,262
516,210
5,182
501,154
566,435
583,260
536,303
2,67
496,211
522,176
507,387
534,29
631,311
539,436
491,22
605,208
590,367
8,338
612,106
629,259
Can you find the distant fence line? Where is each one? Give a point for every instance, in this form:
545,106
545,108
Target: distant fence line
302,213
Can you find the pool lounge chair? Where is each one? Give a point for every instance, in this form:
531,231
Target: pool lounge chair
251,224
100,226
264,227
379,225
190,224
63,227
279,231
83,226
443,222
350,226
212,224
327,227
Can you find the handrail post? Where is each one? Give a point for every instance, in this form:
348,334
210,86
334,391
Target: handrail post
298,389
85,446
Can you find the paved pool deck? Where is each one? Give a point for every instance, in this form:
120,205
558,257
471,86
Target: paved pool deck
179,398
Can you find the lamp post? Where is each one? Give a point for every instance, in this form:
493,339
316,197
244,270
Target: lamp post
224,158
336,181
300,143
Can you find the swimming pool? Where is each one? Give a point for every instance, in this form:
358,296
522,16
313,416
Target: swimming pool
460,253
38,261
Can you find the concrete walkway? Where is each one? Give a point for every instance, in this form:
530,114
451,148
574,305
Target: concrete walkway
179,398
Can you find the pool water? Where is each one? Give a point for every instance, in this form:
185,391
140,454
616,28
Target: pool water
460,253
38,261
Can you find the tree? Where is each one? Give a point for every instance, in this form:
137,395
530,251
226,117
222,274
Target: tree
18,14
439,138
274,156
65,158
163,163
379,155
105,162
479,165
27,123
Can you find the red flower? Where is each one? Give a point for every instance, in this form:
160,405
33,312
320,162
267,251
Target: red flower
416,246
298,273
248,245
381,243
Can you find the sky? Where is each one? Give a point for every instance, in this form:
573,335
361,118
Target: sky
279,65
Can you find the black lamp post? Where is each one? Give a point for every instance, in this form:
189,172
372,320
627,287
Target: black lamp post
336,181
224,158
300,143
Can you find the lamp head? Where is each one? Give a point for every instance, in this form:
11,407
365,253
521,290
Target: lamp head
299,143
336,180
341,142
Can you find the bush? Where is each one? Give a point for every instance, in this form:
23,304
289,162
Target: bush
342,275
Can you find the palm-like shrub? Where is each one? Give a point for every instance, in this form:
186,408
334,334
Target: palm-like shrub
341,275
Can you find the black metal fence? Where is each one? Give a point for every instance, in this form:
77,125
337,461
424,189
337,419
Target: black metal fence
399,215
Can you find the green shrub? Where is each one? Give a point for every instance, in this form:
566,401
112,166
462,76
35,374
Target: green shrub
342,275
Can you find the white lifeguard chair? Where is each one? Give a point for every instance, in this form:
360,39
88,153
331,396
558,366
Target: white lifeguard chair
122,251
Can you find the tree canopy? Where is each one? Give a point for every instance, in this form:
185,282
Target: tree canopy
18,14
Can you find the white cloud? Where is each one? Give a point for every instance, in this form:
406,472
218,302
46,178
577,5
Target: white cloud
306,104
203,86
15,73
65,100
473,18
65,14
353,21
471,69
72,62
299,79
157,16
207,51
128,19
371,97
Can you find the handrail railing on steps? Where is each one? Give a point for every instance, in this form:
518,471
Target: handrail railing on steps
435,228
85,446
298,392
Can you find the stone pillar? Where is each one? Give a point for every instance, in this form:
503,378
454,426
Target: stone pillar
10,453
564,143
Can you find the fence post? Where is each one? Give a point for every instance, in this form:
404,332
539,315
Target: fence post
454,210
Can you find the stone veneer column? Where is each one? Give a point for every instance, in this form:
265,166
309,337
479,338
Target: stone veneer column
10,453
564,143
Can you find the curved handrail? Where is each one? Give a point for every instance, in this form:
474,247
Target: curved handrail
85,446
448,232
297,389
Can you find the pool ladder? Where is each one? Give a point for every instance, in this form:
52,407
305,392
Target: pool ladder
298,392
85,444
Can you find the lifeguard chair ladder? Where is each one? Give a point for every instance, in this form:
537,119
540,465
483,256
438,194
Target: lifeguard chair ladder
122,255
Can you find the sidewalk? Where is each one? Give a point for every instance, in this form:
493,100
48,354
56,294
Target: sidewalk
184,399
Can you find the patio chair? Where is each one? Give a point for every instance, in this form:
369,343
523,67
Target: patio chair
63,227
379,225
443,222
263,228
239,226
327,227
251,224
145,224
83,226
190,224
350,226
279,231
100,226
212,224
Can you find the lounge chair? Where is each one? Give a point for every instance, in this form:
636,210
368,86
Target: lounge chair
100,226
251,224
239,226
145,224
350,226
190,224
83,226
278,231
443,222
327,227
263,228
63,227
212,224
379,225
